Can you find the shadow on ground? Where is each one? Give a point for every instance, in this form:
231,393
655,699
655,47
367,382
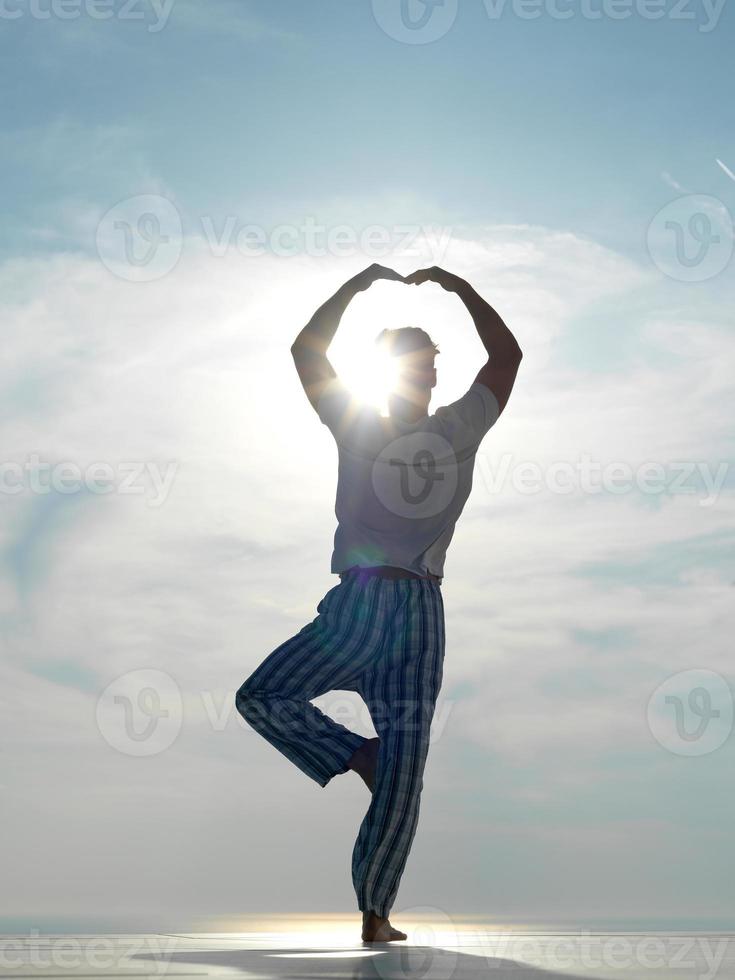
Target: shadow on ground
389,961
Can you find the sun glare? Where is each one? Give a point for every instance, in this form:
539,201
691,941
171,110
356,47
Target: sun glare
370,375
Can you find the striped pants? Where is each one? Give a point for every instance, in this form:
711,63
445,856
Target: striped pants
384,639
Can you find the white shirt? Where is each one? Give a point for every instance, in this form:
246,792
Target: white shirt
402,485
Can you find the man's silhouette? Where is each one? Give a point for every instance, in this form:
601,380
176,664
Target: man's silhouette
403,481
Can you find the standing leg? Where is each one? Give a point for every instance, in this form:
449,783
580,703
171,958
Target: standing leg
401,694
327,654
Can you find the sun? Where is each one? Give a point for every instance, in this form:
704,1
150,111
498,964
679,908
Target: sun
369,374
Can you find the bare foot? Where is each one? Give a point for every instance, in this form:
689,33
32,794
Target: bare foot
364,761
376,929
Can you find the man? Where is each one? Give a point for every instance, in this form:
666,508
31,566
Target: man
403,482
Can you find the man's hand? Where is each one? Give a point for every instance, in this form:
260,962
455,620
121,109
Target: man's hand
364,280
447,280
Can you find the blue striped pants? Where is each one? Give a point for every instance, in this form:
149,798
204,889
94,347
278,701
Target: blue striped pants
383,638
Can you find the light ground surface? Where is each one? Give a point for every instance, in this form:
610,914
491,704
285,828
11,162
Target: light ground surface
435,950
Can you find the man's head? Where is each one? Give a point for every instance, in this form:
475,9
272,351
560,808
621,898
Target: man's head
412,351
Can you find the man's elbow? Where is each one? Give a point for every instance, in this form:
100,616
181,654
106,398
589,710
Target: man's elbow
305,345
506,355
299,350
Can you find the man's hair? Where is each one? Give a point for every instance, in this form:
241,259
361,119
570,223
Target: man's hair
404,340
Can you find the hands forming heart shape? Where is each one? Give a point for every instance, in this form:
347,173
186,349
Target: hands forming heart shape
367,277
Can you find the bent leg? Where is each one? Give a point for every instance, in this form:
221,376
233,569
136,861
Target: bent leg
327,654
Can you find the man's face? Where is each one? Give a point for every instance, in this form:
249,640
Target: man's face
416,377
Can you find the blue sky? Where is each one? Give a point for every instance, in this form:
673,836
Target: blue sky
544,149
275,108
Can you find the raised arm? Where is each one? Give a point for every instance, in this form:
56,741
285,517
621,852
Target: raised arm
309,350
504,353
